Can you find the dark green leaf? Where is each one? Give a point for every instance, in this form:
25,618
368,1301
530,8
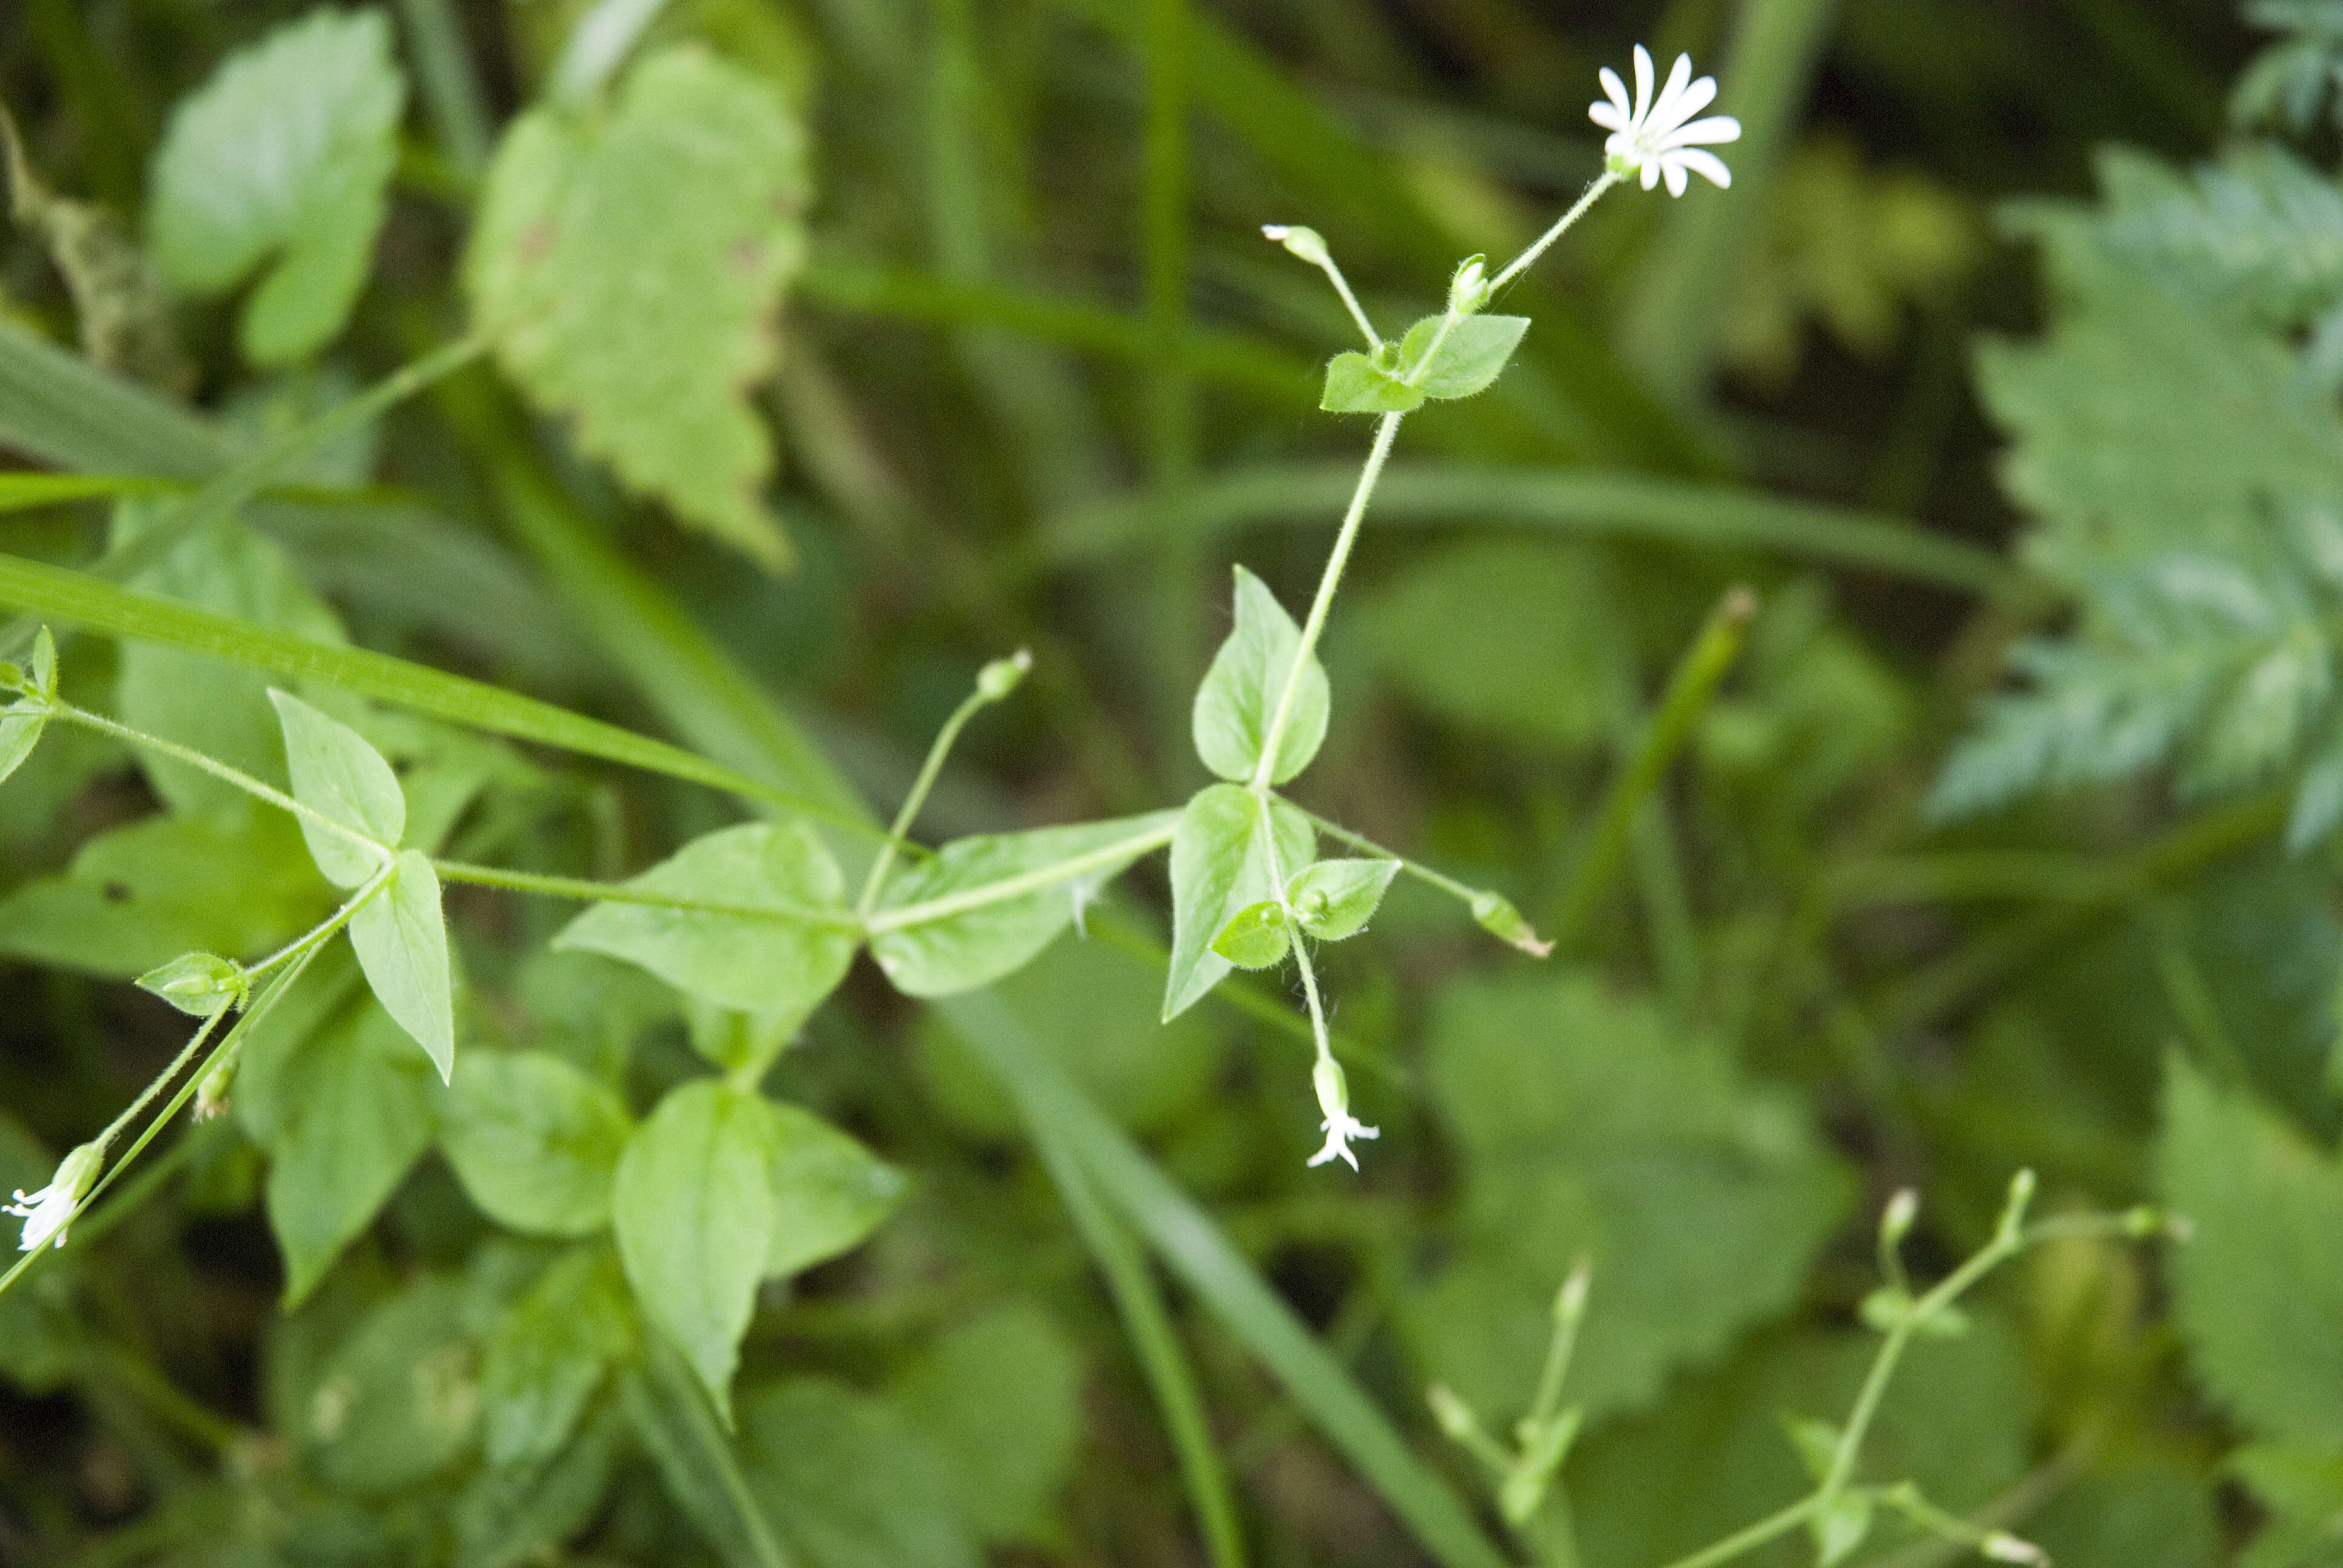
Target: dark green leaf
1239,698
849,1484
523,1514
786,950
534,1141
999,1400
547,1354
978,945
1233,848
399,1401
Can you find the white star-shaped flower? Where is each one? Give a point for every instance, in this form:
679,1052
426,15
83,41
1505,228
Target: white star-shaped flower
47,1212
1662,140
1340,1126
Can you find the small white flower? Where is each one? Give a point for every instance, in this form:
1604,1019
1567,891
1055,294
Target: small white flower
47,1212
1654,139
1340,1126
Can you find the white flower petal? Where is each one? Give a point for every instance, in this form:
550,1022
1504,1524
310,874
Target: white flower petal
1642,84
1610,116
1614,89
1651,174
1664,113
1696,97
1674,174
1716,130
1708,166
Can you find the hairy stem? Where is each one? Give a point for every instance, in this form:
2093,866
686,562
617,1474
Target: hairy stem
877,881
1522,262
1017,887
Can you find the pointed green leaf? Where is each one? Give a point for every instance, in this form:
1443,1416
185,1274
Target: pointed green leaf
786,948
353,1115
1838,1527
534,1141
694,1212
1336,898
1256,937
549,1351
201,985
829,1191
401,940
846,1481
336,774
1469,356
629,264
1354,386
1239,698
19,733
44,663
283,157
977,945
1222,862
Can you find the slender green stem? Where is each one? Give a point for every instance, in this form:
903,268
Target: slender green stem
154,1086
877,881
217,770
451,87
1310,991
1420,871
309,942
1017,887
214,1432
1386,432
1149,1325
1521,263
1752,1538
1690,687
586,890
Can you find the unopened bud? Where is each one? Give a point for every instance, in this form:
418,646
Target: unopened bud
1896,1220
1333,1088
1003,675
1455,1418
1496,915
1468,290
2021,1193
1305,243
211,1094
1570,1302
2001,1547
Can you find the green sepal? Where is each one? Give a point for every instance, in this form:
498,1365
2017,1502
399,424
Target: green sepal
1256,939
1495,914
1839,1526
1335,898
1356,384
1884,1308
44,664
1817,1442
1469,358
201,985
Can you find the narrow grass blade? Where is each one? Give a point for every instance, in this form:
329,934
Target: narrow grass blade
1194,1248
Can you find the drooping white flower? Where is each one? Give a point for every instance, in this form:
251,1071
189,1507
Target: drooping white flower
1340,1126
47,1212
1662,140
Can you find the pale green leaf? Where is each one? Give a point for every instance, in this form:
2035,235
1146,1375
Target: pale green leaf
1239,698
534,1141
1064,866
1233,848
1839,1528
848,1483
1335,898
137,895
19,733
336,774
1356,385
283,157
998,1399
399,1401
786,948
1471,355
629,266
694,1212
548,1352
401,940
829,1191
353,1116
1256,937
2259,1286
201,985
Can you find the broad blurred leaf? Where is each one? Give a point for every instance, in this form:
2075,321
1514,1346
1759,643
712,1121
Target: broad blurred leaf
628,264
352,1113
784,961
2143,1513
958,951
1222,862
999,1400
848,1483
401,940
1239,698
283,157
535,1140
547,1354
2259,1286
518,1514
400,1400
829,1191
2302,1488
695,1213
137,895
1589,1129
336,774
